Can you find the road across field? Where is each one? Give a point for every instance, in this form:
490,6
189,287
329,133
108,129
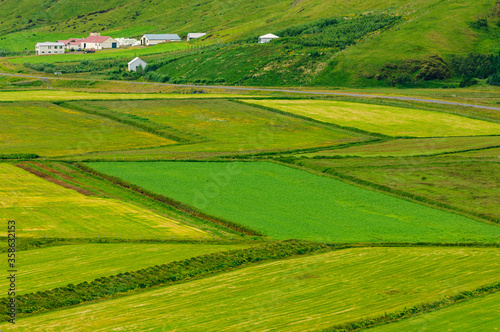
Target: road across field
349,94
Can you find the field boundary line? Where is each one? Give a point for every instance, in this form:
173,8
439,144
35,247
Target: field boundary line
416,310
332,173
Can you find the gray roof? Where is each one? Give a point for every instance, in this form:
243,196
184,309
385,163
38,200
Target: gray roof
164,36
51,44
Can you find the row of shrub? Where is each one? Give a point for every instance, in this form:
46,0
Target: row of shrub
19,156
144,124
415,310
172,202
85,66
165,274
401,193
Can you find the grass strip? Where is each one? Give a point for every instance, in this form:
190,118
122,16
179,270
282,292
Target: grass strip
172,202
418,309
166,274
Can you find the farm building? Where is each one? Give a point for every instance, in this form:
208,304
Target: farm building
132,65
49,48
72,43
195,35
267,38
98,42
150,39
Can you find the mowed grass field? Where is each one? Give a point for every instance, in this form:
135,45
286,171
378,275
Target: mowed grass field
412,147
297,294
480,314
224,126
49,130
285,203
470,185
41,208
47,268
387,120
62,95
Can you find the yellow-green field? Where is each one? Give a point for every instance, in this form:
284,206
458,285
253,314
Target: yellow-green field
48,268
480,314
61,95
42,208
291,295
414,146
387,120
49,130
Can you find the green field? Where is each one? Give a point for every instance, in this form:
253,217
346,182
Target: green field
291,295
42,208
220,126
391,121
278,201
48,130
48,268
469,185
479,314
411,147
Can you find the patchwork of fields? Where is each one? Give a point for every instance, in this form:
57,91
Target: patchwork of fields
319,290
384,223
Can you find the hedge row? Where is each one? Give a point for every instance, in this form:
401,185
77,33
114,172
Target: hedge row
19,156
415,310
152,128
404,194
165,274
172,202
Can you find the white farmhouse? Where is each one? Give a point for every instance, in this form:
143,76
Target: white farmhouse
49,48
151,39
267,38
98,42
132,65
195,35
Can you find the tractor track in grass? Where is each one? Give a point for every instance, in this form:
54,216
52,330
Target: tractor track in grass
238,88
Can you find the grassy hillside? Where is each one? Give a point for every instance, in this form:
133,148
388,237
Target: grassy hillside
296,294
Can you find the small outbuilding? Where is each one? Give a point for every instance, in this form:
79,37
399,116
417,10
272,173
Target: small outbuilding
267,38
195,35
152,39
136,62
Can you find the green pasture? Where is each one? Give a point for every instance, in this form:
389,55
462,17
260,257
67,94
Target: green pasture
480,314
49,130
489,153
391,121
220,126
414,146
298,294
48,268
126,52
469,185
284,203
42,208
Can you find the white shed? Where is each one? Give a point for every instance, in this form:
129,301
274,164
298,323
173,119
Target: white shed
267,38
132,65
195,35
152,39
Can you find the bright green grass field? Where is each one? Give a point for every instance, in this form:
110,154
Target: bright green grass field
61,95
480,314
285,203
226,126
48,130
42,208
291,295
411,147
387,120
48,268
129,52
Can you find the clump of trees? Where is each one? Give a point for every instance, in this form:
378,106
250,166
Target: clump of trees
475,66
